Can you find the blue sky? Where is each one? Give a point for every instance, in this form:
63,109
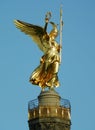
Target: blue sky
19,56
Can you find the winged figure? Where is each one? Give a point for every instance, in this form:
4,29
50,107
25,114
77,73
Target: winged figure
46,74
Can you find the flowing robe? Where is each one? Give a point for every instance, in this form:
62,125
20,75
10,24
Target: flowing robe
45,75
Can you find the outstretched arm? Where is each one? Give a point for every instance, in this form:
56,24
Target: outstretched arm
47,18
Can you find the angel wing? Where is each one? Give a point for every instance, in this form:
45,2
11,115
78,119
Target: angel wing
37,33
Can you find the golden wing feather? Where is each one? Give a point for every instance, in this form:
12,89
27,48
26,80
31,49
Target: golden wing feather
34,31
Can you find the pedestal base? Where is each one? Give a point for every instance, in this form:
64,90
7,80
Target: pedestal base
50,97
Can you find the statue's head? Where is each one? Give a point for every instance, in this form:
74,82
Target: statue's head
54,32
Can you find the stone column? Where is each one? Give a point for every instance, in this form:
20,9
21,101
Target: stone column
49,114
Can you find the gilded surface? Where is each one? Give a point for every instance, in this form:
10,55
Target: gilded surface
49,111
46,74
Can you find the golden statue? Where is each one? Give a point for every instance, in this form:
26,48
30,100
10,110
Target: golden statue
46,74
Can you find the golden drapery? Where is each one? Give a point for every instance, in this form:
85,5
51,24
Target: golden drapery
45,75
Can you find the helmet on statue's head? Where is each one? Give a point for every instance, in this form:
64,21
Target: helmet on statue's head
54,32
